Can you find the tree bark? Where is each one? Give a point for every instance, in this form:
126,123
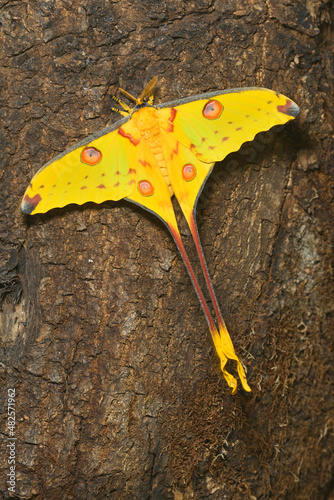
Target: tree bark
118,390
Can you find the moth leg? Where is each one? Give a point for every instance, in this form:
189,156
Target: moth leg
127,110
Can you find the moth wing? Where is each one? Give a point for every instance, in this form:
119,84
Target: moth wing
186,172
97,169
215,124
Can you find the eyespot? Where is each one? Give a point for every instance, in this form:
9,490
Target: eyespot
91,156
145,188
212,110
188,172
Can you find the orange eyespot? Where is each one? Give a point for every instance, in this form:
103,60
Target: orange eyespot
145,188
188,172
212,110
91,156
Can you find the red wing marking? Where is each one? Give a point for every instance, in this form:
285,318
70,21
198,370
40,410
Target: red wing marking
175,151
144,163
131,182
239,128
289,108
133,141
225,139
101,186
212,147
171,119
41,186
83,187
116,185
29,204
131,171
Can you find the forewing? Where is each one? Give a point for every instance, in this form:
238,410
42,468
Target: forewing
100,168
216,124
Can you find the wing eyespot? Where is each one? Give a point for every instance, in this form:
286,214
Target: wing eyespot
189,172
145,188
212,109
91,156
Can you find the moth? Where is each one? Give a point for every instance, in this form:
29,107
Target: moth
155,152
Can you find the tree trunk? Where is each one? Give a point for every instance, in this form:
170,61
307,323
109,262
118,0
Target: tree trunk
118,390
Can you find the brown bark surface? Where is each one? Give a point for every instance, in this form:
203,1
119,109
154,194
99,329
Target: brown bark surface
118,389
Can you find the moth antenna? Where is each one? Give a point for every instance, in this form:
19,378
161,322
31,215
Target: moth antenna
148,90
129,96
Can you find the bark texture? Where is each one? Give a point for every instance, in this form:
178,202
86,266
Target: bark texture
118,389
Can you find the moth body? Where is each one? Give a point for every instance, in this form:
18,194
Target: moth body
146,123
